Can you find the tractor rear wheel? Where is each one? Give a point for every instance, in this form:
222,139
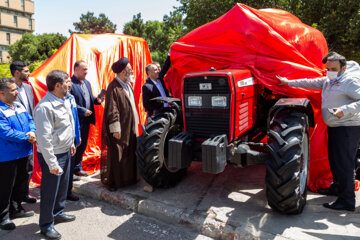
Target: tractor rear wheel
287,169
152,150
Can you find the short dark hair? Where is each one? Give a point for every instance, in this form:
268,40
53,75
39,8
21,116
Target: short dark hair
148,68
17,65
334,56
54,77
4,83
77,63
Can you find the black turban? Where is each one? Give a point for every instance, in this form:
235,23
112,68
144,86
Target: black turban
120,65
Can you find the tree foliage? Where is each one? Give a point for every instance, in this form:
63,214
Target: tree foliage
5,70
91,24
159,35
339,21
31,48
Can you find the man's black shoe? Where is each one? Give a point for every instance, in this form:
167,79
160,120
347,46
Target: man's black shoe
81,173
51,234
328,191
72,197
7,224
20,212
29,199
64,218
76,178
339,206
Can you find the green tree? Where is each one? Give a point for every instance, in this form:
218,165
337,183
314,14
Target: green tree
5,70
199,12
159,35
337,20
31,48
136,27
92,24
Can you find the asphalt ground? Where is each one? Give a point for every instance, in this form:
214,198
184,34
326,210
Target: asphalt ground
97,220
230,205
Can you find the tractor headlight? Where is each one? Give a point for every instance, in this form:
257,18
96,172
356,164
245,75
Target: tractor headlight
218,101
194,101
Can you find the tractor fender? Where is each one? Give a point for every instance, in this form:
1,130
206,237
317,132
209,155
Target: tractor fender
173,102
297,104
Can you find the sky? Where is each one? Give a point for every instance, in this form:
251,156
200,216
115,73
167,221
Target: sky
58,16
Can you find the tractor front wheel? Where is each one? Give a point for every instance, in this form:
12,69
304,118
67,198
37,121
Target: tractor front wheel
152,150
287,169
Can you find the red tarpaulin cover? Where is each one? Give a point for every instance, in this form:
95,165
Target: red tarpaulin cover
268,42
99,51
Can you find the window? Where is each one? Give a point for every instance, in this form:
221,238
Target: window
15,21
30,24
8,38
7,3
23,4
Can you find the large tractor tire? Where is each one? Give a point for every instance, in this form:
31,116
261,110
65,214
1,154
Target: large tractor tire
288,166
152,150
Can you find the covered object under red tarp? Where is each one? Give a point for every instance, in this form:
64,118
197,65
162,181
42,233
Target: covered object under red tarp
99,51
268,42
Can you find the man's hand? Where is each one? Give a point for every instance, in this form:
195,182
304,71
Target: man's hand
88,113
283,80
57,171
72,151
338,112
100,100
117,135
32,138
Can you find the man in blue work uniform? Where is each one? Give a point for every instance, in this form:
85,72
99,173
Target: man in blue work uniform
17,135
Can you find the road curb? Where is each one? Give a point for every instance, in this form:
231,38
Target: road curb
203,222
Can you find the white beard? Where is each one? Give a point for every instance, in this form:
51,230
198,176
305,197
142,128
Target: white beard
130,79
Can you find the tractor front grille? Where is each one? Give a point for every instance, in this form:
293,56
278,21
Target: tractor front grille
207,124
207,121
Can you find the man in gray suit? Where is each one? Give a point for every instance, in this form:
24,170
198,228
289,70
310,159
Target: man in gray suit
20,72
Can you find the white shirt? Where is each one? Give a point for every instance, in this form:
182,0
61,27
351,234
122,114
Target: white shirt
161,89
24,99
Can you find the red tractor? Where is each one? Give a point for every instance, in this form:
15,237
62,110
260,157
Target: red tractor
229,117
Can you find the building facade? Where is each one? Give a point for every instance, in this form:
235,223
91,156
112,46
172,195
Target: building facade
16,18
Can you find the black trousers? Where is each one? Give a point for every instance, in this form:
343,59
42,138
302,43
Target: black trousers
30,167
76,160
84,131
53,191
13,180
343,144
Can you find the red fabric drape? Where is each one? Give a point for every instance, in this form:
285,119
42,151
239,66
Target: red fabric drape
268,42
99,51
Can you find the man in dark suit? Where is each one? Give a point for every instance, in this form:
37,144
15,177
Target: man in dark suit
85,100
20,71
155,87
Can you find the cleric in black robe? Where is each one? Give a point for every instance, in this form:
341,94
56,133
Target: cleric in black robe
120,129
